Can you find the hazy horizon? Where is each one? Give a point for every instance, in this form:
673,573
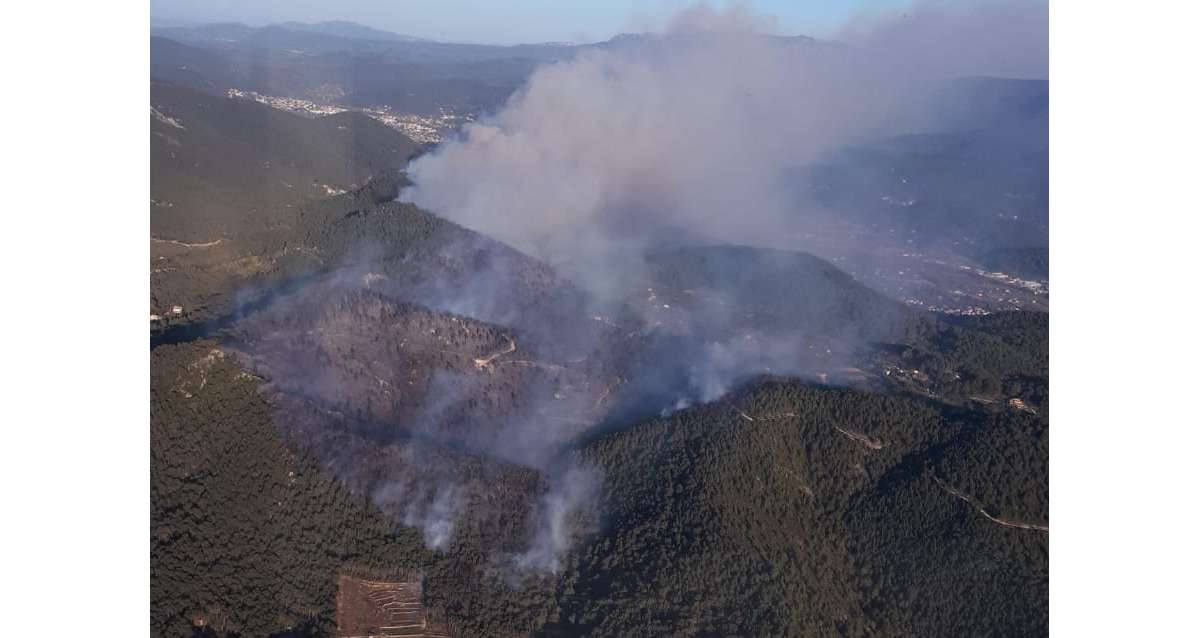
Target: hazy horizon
523,21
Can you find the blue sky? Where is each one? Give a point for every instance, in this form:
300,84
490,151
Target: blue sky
507,21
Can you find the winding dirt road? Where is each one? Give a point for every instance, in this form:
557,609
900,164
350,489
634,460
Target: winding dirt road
861,438
207,244
769,417
999,521
483,362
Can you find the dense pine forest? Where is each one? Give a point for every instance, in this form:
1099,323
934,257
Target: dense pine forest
246,536
794,510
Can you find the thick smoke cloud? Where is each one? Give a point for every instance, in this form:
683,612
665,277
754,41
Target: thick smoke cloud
692,135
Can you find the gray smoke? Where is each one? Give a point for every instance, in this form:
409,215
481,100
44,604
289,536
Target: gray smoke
693,134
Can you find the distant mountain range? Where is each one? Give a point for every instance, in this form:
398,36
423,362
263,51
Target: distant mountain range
236,32
338,34
232,32
345,29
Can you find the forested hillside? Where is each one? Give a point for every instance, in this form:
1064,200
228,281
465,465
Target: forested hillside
776,290
986,360
221,167
246,535
791,510
784,510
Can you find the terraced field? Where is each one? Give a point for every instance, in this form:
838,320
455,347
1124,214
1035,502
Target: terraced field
374,609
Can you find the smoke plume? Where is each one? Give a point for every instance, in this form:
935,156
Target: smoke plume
692,135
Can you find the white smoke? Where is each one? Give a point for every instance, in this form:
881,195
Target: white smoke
436,521
433,517
571,492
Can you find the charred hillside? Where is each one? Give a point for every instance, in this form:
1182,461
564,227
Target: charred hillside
429,373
